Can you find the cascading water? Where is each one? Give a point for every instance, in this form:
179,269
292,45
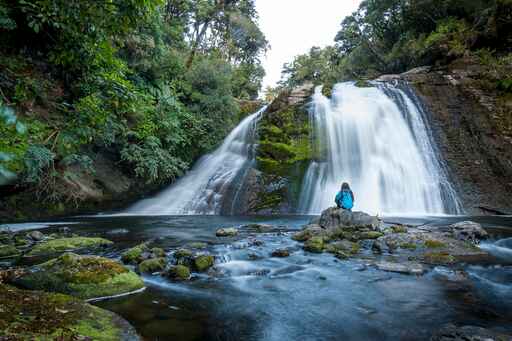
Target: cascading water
378,140
214,179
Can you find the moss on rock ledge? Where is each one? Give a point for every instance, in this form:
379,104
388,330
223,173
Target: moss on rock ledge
36,315
82,276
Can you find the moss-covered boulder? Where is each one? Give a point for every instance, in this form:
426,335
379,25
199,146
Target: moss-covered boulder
136,254
314,244
158,252
152,265
8,251
36,315
178,273
370,235
67,244
226,232
203,262
344,246
81,276
197,245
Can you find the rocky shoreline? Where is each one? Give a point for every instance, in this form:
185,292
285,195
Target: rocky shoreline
54,275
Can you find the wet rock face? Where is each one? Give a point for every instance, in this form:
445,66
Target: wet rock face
451,332
471,126
226,232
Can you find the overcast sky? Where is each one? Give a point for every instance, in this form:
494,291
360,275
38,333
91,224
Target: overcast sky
293,26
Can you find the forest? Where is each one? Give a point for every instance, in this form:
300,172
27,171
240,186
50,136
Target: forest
154,84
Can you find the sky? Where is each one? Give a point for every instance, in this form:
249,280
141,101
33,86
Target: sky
293,26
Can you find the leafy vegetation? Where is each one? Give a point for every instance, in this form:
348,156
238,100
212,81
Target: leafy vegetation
392,36
152,83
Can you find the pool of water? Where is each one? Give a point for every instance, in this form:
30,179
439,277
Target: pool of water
253,296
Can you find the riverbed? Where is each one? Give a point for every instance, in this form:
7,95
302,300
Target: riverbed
253,296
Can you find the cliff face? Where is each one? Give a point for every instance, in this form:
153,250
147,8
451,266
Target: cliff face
274,183
473,127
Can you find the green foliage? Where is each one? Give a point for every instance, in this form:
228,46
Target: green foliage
12,144
391,36
37,160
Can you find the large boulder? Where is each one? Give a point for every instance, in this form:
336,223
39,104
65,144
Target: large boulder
334,217
85,277
468,231
37,315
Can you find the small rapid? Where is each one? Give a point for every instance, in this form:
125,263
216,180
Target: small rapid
377,139
212,186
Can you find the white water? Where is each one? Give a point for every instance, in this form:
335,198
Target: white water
377,140
202,190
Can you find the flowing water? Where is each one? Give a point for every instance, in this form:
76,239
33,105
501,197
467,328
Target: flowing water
377,139
253,296
214,179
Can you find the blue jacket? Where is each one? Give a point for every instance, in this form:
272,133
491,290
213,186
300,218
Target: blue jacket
345,199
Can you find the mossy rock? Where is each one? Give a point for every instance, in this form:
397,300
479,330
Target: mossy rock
438,258
370,235
82,276
37,315
434,244
203,262
302,236
158,252
399,229
344,246
314,244
67,244
152,265
20,241
135,254
182,253
408,246
8,251
178,273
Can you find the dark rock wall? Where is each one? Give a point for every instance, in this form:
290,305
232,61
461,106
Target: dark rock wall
470,126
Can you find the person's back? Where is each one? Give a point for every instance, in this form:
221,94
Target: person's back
345,197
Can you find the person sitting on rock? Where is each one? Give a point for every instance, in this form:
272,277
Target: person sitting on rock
345,197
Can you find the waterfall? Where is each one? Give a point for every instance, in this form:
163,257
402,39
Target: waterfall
377,139
213,180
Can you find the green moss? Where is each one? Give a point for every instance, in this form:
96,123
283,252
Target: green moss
152,265
370,235
344,246
438,258
314,244
82,276
134,255
409,246
327,89
302,236
8,250
179,273
197,245
434,244
363,84
203,262
181,253
158,252
36,315
67,244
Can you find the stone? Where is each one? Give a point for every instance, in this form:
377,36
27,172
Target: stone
370,235
203,262
152,265
181,253
404,268
84,277
36,236
226,232
37,315
67,244
344,246
259,228
468,231
314,244
450,332
197,245
157,252
281,253
399,229
335,217
307,232
178,273
136,254
8,251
